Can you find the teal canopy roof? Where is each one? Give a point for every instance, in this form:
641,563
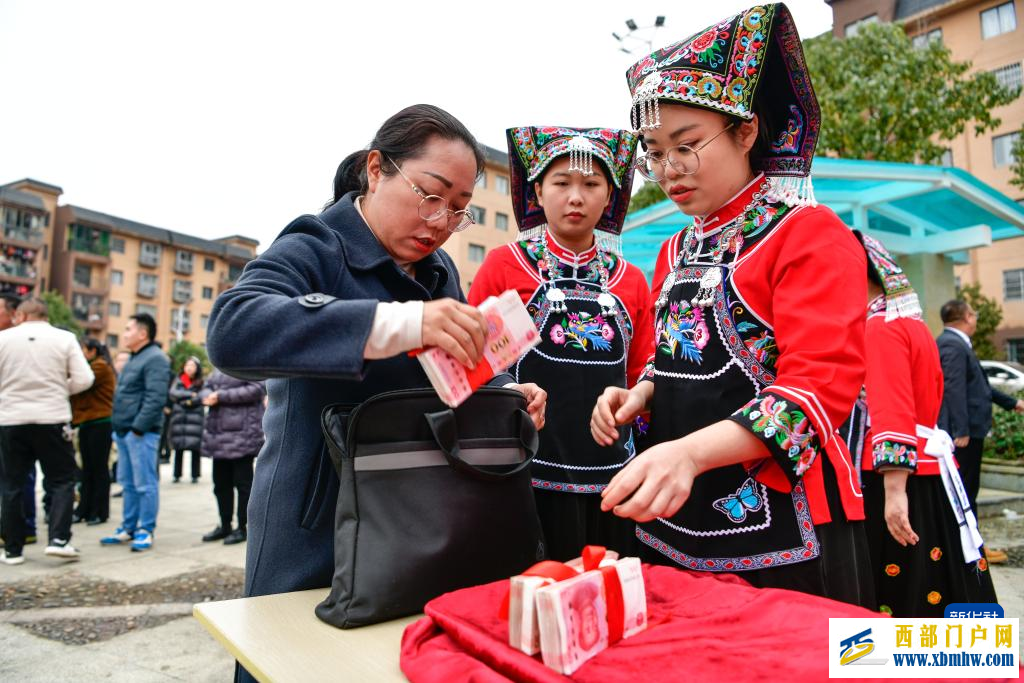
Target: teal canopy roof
912,209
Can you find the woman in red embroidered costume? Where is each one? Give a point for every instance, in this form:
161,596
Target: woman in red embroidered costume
570,190
918,517
759,337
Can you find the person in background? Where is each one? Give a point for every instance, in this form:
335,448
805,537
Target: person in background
232,436
120,360
137,417
967,399
187,414
90,412
40,367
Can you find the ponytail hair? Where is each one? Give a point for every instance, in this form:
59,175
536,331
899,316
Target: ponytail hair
402,137
99,347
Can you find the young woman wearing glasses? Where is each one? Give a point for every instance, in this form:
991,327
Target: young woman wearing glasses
328,312
570,192
759,337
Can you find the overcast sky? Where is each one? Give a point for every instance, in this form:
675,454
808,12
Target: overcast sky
214,118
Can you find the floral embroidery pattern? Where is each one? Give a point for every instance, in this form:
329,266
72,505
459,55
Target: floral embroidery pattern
885,609
788,140
681,332
583,332
934,597
935,554
791,430
762,347
892,569
894,454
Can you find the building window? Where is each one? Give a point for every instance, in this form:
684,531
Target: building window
207,292
1015,350
1002,149
117,277
112,341
183,262
855,26
1009,76
117,245
1013,285
947,158
922,40
501,221
180,321
479,214
46,252
501,184
149,254
87,308
476,253
82,276
204,321
88,239
114,309
182,291
208,265
147,285
145,308
481,181
998,20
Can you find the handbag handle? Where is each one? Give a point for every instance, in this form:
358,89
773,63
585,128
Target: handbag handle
446,433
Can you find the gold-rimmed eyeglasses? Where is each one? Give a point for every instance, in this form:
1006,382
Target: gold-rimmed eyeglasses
683,158
433,207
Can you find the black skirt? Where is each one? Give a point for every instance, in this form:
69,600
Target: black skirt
920,580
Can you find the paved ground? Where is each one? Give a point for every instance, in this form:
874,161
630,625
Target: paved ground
122,616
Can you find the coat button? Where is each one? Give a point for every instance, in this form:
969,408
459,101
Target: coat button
316,300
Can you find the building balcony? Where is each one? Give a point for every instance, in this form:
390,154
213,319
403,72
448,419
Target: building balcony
18,271
83,247
146,292
90,315
148,259
24,237
96,284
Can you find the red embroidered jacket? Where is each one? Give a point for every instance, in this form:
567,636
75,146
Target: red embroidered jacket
508,267
804,280
904,389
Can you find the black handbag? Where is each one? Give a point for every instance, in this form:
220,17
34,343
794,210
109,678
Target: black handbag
431,499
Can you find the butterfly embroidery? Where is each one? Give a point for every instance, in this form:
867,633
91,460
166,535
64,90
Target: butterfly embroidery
735,506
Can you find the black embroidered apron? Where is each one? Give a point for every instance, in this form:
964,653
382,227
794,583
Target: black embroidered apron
709,363
581,352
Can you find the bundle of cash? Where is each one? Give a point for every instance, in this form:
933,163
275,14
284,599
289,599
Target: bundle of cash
581,616
510,334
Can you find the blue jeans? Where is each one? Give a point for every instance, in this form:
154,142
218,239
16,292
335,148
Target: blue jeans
137,474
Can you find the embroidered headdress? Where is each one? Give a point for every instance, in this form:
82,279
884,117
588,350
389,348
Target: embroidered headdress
753,60
531,149
900,298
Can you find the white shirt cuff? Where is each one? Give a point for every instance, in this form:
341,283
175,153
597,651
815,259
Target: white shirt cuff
397,327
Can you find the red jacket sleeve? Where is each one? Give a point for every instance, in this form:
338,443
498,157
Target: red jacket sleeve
666,257
641,346
816,275
890,395
490,278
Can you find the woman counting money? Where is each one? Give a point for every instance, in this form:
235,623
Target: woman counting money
759,335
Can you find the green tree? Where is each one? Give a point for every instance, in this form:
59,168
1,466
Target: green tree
649,194
180,351
883,99
990,314
60,312
1017,154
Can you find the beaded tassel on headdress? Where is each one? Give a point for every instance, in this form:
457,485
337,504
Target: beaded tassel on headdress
581,156
793,190
645,114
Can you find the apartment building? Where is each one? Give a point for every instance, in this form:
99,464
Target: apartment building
990,35
108,267
492,210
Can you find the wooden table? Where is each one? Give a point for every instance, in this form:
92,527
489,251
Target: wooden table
279,638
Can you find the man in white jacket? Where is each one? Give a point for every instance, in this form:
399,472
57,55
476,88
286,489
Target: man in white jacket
40,367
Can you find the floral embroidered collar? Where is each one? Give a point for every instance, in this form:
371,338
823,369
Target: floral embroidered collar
567,255
711,223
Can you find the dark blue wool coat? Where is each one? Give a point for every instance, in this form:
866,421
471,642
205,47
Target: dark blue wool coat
300,316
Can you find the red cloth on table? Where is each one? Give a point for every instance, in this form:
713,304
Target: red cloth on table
702,626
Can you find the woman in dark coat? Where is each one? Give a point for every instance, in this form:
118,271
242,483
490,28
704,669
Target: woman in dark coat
91,411
329,311
186,425
232,436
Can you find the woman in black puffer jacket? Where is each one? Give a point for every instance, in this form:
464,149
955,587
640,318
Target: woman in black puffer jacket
186,423
233,435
